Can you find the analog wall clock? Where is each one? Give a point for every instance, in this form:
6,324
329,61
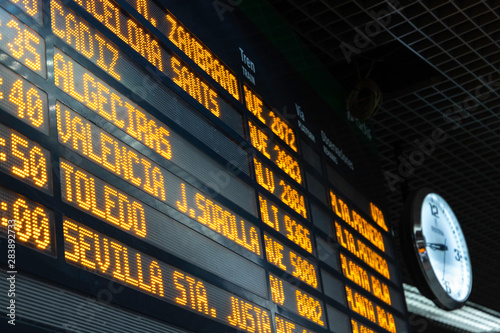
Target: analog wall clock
435,250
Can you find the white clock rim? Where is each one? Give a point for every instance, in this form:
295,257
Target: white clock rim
442,298
456,225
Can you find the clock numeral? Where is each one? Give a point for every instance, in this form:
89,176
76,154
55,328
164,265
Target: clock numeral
434,209
458,255
447,287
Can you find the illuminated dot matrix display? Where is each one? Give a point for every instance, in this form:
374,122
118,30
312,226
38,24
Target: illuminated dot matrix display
134,156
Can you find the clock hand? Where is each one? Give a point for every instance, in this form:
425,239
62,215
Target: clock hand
436,246
444,261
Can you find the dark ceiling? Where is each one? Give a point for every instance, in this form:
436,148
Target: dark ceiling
437,63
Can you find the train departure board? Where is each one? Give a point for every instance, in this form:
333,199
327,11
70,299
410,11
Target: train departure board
165,167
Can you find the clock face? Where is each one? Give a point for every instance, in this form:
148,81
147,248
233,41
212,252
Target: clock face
445,247
435,250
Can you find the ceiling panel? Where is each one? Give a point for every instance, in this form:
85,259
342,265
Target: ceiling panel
457,45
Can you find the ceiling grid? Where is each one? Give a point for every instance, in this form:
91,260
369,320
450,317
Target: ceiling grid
435,61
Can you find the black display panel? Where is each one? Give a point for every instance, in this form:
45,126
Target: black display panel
22,43
31,223
25,159
105,256
167,158
24,100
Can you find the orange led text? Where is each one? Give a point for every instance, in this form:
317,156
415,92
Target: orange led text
111,105
359,328
192,293
277,292
88,140
96,252
127,29
207,212
275,153
290,262
23,44
364,307
362,278
248,317
202,56
24,159
309,307
360,250
75,32
30,105
279,187
33,222
351,217
286,225
190,82
285,326
275,122
378,216
102,200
